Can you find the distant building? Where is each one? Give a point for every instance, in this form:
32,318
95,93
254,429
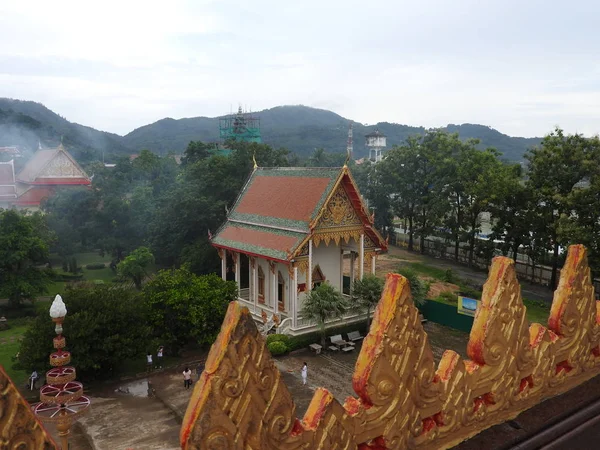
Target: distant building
10,152
46,171
240,127
376,142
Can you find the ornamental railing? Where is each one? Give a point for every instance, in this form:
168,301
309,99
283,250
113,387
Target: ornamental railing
404,400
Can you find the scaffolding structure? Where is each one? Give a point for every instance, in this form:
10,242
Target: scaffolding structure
242,126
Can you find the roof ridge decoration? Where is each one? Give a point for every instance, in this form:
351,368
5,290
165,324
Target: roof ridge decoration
403,400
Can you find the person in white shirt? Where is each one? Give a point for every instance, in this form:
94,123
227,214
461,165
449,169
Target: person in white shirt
159,357
304,373
32,380
149,361
187,378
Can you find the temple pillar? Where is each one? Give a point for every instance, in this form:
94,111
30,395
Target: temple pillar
223,255
309,270
373,259
341,270
361,257
295,297
273,288
352,264
237,257
253,292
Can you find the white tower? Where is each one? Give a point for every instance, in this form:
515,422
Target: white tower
376,142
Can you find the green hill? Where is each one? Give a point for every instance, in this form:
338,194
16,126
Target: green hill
301,129
25,124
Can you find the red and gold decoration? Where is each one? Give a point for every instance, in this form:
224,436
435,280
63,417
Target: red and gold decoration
404,400
61,399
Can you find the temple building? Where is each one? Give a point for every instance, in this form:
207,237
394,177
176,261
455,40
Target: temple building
291,229
46,171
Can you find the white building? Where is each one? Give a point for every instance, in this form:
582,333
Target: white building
291,229
376,142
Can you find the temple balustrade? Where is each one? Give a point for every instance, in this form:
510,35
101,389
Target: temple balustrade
404,400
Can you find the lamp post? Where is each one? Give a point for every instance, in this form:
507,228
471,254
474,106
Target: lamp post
61,398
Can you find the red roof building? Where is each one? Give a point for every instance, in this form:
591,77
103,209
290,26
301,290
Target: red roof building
291,229
46,171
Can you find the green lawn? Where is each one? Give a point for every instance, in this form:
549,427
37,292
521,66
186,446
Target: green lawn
8,349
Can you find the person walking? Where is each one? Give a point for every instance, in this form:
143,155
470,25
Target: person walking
149,361
187,378
304,373
159,357
33,379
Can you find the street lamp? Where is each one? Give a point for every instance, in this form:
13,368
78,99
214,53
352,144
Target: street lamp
61,398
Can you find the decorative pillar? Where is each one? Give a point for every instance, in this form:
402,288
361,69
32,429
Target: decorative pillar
373,258
237,271
273,286
252,283
223,255
361,257
61,399
341,270
295,296
309,270
352,271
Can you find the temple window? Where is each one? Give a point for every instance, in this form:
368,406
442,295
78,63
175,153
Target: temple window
261,285
280,291
317,277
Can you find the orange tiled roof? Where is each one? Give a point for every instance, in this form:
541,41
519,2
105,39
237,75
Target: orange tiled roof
274,212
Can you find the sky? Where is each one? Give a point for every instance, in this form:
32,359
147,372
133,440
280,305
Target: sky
521,67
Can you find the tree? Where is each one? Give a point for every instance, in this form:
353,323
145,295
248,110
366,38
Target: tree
558,170
186,307
104,328
134,266
322,304
418,287
24,242
366,293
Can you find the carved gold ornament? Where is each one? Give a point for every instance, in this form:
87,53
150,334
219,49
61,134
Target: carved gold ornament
403,401
19,428
339,211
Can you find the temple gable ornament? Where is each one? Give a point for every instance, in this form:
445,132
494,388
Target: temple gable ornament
339,211
403,400
61,166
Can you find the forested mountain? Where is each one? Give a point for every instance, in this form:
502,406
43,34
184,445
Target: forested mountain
301,129
25,124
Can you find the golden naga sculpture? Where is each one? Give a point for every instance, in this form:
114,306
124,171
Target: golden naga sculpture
19,428
404,401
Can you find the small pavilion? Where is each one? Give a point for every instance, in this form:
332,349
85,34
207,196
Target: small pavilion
291,229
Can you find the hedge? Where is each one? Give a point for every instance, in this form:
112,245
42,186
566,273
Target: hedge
95,266
277,348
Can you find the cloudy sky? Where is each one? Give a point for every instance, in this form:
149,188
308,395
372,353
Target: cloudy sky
519,66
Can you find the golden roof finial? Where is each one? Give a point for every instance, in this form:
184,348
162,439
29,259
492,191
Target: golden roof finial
254,161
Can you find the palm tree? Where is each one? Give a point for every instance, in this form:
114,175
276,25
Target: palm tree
366,294
322,304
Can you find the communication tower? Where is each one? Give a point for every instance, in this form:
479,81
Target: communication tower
349,148
242,126
376,142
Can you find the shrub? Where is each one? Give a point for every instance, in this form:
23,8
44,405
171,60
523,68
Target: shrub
449,276
466,291
277,348
95,266
448,296
278,338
